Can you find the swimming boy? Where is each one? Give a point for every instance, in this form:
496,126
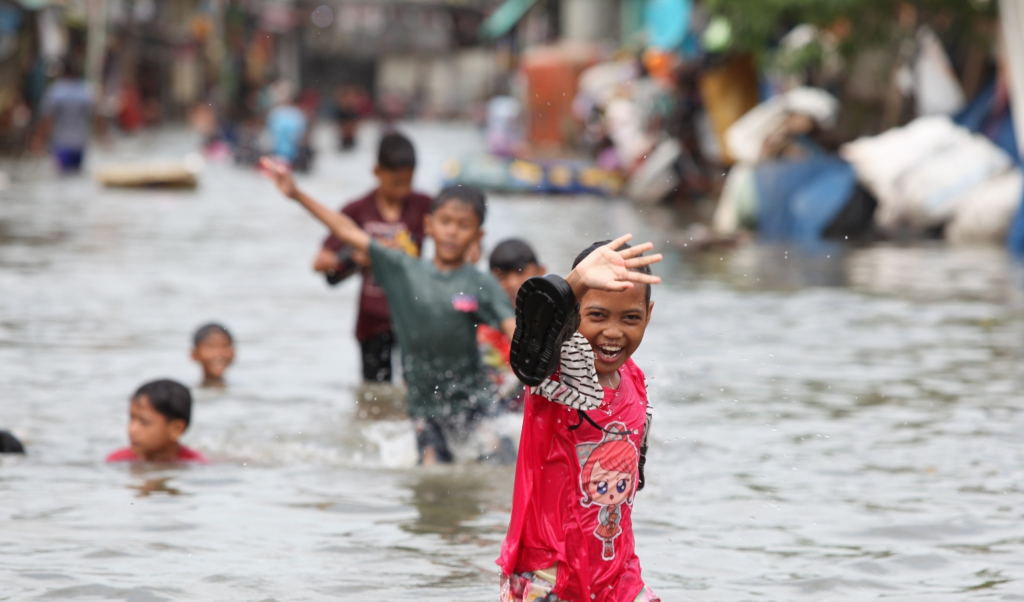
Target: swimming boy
213,348
160,413
436,307
393,215
584,430
512,262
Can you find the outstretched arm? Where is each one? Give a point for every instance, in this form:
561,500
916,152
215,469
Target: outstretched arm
340,224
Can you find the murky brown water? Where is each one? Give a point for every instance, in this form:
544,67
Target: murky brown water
832,424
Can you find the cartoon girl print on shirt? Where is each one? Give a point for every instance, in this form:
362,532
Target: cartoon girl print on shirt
608,479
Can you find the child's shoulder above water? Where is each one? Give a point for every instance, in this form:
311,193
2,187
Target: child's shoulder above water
159,414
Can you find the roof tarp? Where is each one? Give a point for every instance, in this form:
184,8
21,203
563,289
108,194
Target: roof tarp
505,18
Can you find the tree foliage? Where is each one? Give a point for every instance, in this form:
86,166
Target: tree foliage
758,24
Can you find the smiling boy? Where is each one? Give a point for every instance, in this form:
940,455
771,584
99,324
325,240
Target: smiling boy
435,307
213,348
584,430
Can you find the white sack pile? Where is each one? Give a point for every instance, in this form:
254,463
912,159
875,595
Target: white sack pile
933,172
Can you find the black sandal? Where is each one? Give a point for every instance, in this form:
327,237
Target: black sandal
547,314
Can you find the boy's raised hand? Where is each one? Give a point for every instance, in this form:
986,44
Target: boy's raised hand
610,269
340,224
280,174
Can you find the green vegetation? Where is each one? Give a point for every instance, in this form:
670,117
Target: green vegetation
758,24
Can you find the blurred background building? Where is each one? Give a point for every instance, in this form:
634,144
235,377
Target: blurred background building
655,99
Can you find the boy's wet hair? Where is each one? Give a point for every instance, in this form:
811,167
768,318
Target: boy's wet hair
204,332
396,152
169,398
468,195
512,255
645,269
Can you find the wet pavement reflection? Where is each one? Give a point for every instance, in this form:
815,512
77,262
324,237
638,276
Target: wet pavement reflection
836,422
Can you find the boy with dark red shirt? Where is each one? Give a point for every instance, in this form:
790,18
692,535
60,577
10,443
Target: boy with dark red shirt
392,215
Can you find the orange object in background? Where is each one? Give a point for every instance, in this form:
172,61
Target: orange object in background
728,92
661,64
551,75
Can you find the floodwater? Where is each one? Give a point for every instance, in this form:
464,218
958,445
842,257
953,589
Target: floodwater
831,423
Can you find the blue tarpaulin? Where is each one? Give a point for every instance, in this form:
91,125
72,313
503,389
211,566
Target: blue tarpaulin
667,23
798,199
983,117
1015,237
996,124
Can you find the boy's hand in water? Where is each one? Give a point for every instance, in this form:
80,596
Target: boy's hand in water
281,175
609,269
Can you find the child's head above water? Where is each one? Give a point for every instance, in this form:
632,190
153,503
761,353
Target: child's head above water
455,223
614,322
396,162
160,413
513,262
214,349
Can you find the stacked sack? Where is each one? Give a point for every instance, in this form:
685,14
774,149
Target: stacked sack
934,174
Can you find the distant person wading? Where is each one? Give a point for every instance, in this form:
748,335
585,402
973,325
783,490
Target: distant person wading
67,109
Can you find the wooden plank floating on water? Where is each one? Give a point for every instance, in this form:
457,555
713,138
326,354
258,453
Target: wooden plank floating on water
167,174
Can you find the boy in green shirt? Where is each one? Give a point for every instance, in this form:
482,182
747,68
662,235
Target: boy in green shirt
435,307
